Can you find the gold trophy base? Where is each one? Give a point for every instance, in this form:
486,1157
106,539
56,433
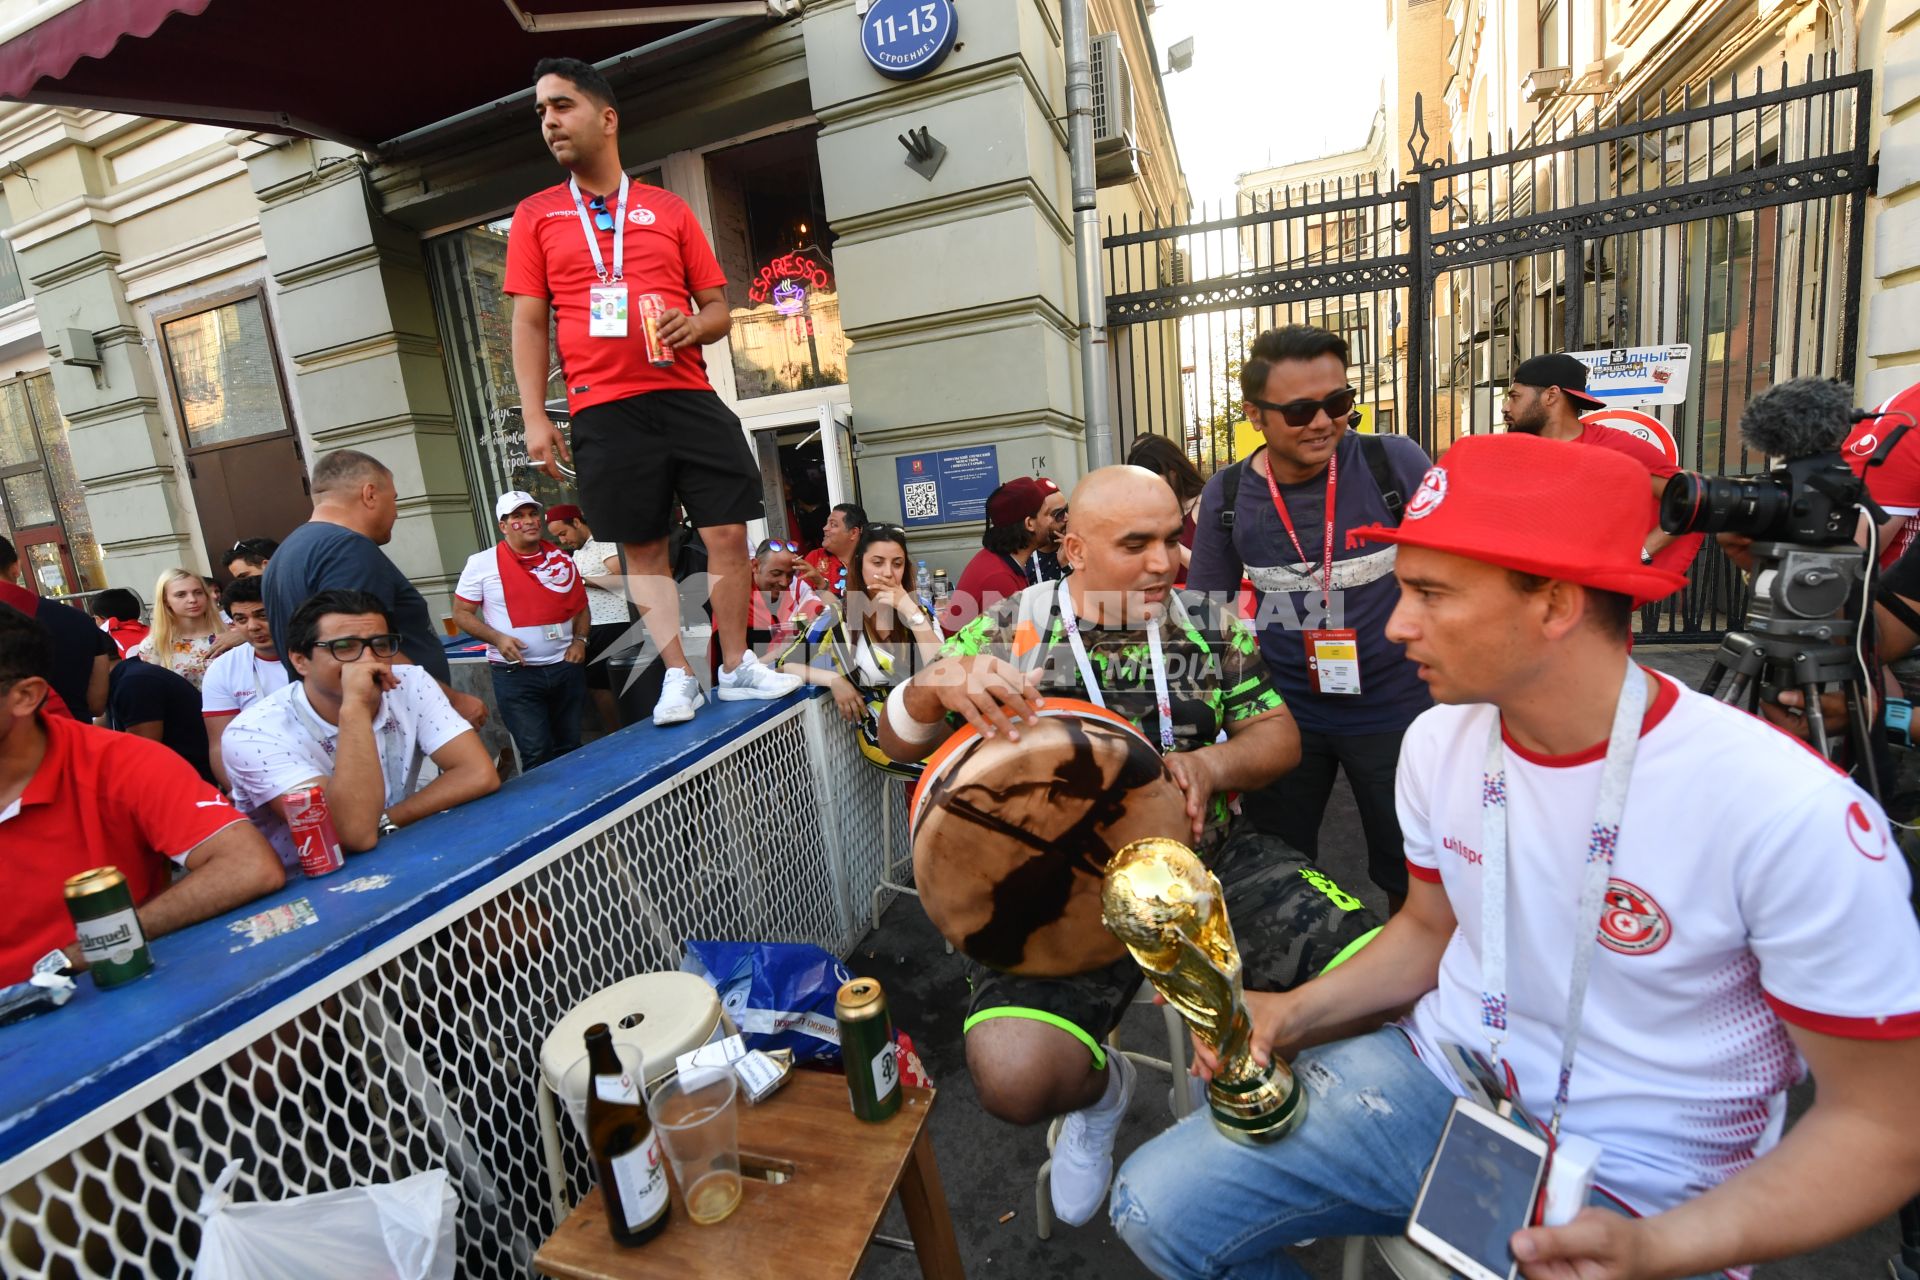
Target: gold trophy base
1263,1109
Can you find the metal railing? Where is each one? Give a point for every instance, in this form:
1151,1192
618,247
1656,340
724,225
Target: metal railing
425,1052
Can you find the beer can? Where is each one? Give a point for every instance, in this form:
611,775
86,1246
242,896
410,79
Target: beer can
866,1049
313,834
652,307
110,934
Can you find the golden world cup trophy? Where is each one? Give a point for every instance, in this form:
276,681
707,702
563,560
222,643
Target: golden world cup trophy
1162,902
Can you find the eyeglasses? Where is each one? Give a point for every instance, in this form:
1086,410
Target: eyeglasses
1301,413
601,218
774,544
349,648
889,531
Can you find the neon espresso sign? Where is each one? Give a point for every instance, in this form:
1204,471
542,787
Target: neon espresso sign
787,280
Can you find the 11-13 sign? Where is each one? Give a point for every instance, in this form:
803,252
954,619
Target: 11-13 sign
905,39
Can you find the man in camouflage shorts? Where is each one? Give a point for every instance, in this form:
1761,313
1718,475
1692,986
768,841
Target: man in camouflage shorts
1036,1046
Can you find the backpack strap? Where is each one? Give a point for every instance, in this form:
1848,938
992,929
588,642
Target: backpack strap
1230,489
1374,449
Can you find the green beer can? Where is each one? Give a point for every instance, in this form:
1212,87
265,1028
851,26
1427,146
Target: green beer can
110,934
866,1049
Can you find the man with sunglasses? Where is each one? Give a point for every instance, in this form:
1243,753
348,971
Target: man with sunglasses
356,725
1280,519
648,430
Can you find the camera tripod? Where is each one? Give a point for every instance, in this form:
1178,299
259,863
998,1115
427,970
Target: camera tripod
1802,628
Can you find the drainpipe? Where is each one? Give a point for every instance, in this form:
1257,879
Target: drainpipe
1086,234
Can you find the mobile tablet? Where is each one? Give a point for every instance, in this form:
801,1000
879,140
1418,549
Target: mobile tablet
1479,1190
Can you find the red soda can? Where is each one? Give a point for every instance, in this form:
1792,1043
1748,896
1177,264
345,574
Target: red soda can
652,307
313,833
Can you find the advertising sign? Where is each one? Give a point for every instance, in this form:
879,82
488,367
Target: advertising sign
947,487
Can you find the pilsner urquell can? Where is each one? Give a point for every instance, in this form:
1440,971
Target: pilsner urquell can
866,1048
110,934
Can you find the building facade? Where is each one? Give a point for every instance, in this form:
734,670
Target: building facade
211,308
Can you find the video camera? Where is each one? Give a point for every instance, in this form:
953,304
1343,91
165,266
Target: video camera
1812,498
1805,622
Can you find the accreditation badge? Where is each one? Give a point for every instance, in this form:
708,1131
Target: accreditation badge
1333,661
607,311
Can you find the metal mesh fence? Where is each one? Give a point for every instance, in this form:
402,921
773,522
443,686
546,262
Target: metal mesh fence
431,1057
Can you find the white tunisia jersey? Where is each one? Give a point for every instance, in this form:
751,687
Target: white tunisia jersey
1753,882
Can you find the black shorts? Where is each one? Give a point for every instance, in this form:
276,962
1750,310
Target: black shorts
599,636
637,456
1290,922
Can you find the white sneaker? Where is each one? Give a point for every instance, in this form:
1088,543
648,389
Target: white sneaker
680,697
753,679
1083,1155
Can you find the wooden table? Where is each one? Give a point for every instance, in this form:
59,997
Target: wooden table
840,1172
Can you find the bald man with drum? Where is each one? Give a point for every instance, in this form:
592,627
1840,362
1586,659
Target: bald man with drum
1188,675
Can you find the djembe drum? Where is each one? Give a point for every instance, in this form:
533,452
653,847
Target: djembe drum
1011,839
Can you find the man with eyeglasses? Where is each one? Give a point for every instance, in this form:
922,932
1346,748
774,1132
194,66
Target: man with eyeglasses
584,258
1280,518
356,725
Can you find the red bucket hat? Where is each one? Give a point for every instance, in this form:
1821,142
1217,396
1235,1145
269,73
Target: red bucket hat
1567,511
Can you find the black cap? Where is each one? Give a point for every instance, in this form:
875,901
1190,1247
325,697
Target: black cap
1562,371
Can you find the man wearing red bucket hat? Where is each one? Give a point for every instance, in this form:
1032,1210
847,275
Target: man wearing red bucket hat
1643,956
1023,519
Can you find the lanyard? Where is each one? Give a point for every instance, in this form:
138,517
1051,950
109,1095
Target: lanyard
1286,521
259,689
593,239
398,786
1092,686
1604,839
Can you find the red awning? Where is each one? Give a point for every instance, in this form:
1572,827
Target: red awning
357,71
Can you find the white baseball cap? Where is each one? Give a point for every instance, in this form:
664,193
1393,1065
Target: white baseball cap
512,502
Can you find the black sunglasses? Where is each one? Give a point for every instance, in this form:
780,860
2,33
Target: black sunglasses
349,648
1301,413
601,218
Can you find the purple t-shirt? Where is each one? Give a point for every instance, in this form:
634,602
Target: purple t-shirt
1288,591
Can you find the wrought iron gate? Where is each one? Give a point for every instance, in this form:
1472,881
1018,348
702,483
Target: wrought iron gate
1729,218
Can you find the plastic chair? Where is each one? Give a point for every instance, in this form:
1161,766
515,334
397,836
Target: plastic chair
1180,1098
662,1014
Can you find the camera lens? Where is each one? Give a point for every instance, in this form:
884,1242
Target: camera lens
1749,505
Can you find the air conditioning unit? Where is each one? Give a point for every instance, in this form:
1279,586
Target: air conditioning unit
1116,158
1173,267
1493,364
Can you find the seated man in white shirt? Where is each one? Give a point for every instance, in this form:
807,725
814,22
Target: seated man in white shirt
244,674
356,725
1736,907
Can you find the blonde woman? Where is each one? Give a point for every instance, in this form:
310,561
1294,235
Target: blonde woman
187,632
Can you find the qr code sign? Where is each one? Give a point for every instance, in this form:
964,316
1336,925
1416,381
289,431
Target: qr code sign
922,499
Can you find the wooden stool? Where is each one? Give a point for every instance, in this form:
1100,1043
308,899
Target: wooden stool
838,1173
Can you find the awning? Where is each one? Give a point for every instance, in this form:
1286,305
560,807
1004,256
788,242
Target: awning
356,71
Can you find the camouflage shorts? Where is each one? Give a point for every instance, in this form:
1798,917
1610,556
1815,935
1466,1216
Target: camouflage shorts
1290,920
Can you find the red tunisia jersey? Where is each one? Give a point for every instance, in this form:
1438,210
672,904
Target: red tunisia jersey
665,253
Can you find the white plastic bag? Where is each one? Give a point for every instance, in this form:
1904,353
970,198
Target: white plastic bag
390,1231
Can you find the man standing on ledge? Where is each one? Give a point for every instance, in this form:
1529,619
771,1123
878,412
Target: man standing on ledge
587,252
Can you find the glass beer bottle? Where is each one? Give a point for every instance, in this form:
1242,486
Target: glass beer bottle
626,1150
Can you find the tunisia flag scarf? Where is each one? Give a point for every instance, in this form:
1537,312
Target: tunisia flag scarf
540,589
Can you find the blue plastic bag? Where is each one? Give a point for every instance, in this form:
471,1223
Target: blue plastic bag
780,994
